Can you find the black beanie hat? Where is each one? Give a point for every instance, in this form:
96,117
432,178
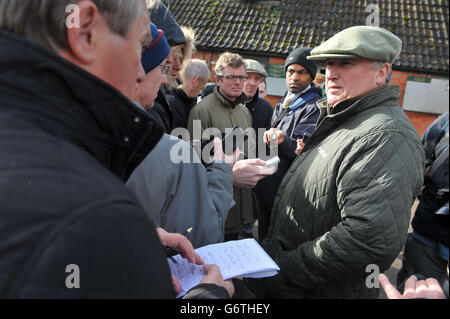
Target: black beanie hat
298,56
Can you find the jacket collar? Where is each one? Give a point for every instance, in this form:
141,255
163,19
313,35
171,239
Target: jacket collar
241,99
385,95
251,103
188,102
65,101
311,88
349,107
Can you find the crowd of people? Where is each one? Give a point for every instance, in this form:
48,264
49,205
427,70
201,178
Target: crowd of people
112,159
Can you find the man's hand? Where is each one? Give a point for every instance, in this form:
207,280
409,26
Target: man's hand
274,137
213,276
247,173
428,289
176,285
220,156
179,243
300,146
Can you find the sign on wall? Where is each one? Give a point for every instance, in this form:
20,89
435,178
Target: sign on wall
275,71
276,83
425,94
276,86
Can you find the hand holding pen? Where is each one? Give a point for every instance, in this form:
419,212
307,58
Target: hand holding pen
179,244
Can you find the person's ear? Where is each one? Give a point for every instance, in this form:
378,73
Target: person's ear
382,74
195,81
141,75
83,40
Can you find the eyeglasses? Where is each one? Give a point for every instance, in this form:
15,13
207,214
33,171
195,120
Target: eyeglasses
241,78
291,72
164,68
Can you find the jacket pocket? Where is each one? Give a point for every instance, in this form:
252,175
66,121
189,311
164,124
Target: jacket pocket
285,243
291,234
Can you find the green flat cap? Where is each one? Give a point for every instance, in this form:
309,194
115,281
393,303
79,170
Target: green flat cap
371,43
255,66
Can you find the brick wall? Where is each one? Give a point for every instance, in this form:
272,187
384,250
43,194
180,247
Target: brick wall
210,58
420,120
400,77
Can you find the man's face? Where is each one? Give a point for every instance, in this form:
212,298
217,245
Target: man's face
297,78
121,56
262,89
176,63
348,78
231,88
252,84
147,89
200,86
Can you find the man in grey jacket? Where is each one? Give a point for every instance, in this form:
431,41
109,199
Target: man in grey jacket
343,208
179,194
176,191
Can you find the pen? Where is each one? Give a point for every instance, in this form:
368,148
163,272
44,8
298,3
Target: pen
170,252
187,231
173,259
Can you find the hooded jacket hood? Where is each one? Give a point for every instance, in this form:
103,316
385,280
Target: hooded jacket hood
163,19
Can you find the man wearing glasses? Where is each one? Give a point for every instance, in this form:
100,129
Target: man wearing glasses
176,193
222,110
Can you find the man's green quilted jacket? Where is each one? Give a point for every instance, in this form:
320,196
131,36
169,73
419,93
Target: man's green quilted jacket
346,201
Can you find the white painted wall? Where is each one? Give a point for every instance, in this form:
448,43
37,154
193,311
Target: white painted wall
426,97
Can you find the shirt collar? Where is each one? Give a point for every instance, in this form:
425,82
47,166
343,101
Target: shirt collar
297,95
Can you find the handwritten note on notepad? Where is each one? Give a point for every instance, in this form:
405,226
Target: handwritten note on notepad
239,258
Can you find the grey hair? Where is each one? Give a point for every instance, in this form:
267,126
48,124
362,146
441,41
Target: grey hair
198,68
378,64
44,21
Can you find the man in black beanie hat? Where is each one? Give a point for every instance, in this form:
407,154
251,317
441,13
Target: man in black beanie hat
294,118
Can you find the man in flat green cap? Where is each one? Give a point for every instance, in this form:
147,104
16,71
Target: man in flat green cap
343,209
366,49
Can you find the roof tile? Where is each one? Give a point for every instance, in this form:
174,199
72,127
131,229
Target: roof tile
280,26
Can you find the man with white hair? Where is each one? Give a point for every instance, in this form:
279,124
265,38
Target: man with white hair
344,206
194,78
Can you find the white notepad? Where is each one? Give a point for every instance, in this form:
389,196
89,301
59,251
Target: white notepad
239,258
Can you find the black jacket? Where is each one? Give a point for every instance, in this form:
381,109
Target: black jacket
68,142
261,111
162,112
296,125
435,193
181,105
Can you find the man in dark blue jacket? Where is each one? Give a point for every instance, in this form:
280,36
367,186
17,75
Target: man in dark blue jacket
426,249
294,118
259,108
